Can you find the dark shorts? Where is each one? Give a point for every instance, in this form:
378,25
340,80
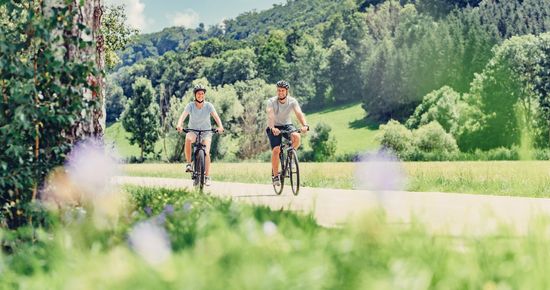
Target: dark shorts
276,140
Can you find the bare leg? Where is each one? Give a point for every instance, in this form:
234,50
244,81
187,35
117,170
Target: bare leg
189,139
275,160
295,137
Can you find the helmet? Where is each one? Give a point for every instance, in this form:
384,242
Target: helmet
283,84
199,87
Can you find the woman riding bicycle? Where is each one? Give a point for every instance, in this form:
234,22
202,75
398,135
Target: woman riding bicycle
278,118
199,113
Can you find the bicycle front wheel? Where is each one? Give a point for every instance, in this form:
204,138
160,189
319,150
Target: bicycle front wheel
294,172
279,188
199,169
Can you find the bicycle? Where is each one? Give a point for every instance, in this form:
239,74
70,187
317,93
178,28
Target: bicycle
288,164
199,157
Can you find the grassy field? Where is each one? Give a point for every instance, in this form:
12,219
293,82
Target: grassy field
182,240
115,134
352,136
517,178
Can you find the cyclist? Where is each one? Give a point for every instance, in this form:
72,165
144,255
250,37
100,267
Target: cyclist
199,112
278,118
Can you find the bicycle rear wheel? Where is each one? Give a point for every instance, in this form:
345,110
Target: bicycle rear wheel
294,172
199,169
279,188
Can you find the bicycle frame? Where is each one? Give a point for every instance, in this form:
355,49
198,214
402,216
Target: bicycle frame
198,147
287,157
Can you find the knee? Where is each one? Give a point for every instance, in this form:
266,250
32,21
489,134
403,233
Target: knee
189,138
276,149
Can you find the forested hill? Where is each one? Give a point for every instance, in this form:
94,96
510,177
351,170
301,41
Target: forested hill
471,66
297,14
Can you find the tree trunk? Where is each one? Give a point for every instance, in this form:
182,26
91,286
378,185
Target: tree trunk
89,13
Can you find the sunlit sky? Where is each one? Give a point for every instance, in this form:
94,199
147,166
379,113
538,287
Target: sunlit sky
154,15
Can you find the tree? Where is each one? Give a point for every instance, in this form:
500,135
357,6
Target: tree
44,113
117,34
115,102
323,145
251,124
233,65
272,63
141,117
340,73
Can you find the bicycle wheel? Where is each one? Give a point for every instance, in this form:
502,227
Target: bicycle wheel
199,169
293,171
279,188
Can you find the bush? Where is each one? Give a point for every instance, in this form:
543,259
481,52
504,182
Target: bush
396,137
432,138
323,145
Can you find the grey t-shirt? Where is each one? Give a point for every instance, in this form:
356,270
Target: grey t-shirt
199,119
282,111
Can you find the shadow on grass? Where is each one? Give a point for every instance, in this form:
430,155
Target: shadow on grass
364,123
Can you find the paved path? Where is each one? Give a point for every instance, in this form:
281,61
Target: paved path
448,213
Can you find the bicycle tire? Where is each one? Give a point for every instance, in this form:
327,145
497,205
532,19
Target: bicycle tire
279,189
200,162
293,171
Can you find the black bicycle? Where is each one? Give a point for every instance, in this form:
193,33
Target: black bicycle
199,157
288,165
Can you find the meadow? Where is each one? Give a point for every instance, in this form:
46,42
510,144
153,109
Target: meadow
166,239
515,178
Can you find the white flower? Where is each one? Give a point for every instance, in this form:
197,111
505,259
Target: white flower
269,228
150,242
91,166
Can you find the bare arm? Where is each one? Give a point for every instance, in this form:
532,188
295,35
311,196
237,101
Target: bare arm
218,121
180,121
271,121
302,118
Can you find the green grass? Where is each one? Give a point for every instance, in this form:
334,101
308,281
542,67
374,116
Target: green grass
218,244
351,132
516,178
115,134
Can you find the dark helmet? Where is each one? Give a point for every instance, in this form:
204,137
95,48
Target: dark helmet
199,87
283,84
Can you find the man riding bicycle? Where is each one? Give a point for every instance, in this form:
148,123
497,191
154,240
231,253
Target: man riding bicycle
278,119
199,113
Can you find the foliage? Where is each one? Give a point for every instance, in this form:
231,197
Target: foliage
322,144
396,137
42,85
432,138
507,85
115,102
117,34
141,117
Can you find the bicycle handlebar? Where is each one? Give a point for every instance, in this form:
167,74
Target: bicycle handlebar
187,130
288,131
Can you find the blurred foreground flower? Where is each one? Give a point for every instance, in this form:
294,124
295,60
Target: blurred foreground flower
85,180
151,242
380,171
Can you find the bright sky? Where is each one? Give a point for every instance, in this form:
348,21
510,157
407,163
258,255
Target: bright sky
154,15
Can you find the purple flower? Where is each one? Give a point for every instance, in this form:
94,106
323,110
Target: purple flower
169,209
161,218
148,210
187,206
